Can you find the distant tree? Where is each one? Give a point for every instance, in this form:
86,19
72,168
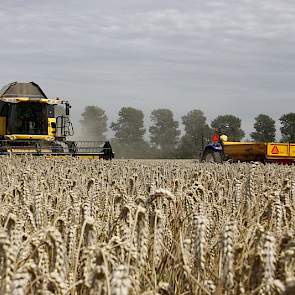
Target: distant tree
196,134
265,130
229,125
132,150
129,127
164,132
288,127
94,123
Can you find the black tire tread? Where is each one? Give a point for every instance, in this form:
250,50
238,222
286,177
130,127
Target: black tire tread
217,157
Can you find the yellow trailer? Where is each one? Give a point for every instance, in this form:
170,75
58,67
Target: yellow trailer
219,151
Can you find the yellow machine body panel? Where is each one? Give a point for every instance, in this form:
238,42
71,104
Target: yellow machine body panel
244,151
292,150
51,130
29,136
29,99
281,151
2,126
89,157
22,99
278,150
27,150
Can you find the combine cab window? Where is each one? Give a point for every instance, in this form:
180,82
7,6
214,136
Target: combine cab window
28,118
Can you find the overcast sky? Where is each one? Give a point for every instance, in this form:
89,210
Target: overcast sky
226,56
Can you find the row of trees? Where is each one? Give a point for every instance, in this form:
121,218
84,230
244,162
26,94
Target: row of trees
164,133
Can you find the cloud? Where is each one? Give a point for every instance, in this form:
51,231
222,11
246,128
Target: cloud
221,56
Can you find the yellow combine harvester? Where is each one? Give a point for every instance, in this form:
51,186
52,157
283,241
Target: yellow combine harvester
220,150
29,124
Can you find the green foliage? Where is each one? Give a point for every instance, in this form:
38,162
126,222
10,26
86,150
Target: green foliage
197,133
94,123
129,126
164,132
288,127
265,130
229,125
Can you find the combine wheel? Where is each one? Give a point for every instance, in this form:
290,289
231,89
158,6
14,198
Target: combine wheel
211,156
57,148
72,147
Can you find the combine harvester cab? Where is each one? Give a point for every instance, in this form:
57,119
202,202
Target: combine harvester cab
220,150
29,125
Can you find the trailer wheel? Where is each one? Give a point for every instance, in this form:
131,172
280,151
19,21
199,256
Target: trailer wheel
211,156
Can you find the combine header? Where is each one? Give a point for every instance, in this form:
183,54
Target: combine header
29,124
220,150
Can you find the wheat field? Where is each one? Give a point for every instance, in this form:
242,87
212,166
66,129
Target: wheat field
72,226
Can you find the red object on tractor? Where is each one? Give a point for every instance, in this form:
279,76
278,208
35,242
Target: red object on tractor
215,138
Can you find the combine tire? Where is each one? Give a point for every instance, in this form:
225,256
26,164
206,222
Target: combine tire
57,148
212,157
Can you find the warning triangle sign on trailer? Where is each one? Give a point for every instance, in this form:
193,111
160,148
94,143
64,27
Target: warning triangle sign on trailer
275,150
